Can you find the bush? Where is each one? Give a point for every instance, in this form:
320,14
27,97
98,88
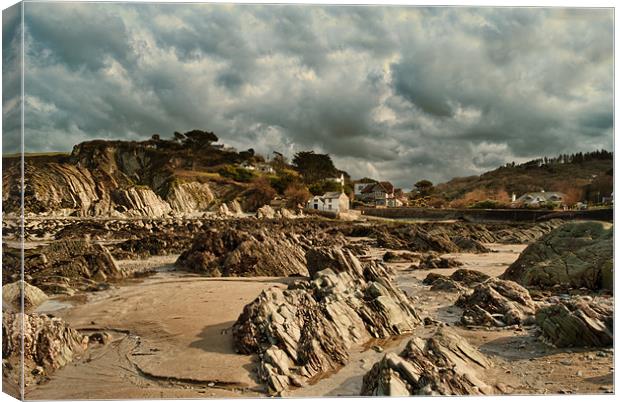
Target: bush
297,194
488,204
237,173
259,194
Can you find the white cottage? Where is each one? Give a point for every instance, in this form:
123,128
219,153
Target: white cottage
329,202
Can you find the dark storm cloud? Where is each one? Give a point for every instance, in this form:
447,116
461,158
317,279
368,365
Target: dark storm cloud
391,92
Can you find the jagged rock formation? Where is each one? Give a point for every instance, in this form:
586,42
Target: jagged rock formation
48,344
450,238
578,322
140,201
444,364
188,197
109,178
497,302
308,328
12,295
239,253
63,266
577,254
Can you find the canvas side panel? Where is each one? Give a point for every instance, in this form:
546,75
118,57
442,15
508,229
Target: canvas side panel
12,196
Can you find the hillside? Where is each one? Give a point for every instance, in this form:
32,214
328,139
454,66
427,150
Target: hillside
187,174
580,176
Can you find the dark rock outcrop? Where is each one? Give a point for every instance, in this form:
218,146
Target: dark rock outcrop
241,253
580,321
48,344
497,302
63,266
469,277
576,254
444,364
307,329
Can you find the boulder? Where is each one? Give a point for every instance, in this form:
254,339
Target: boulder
12,294
576,254
391,256
308,328
433,261
265,212
581,321
447,285
469,277
497,302
48,344
444,364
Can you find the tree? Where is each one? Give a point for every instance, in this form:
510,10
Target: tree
313,166
424,187
178,137
199,138
279,161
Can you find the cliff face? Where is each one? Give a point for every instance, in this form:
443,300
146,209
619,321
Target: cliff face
103,178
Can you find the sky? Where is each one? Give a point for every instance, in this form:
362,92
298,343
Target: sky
393,93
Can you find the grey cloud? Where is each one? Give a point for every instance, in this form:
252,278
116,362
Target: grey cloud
400,93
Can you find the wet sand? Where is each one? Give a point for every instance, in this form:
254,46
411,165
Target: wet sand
171,335
171,339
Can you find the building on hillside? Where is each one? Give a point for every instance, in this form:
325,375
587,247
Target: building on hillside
265,168
381,194
540,198
247,165
329,202
360,185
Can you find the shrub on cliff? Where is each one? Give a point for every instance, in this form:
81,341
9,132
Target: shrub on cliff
259,194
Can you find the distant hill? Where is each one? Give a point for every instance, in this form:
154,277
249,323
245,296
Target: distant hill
582,176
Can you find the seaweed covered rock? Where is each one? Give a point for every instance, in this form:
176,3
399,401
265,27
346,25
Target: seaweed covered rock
444,364
447,285
390,256
433,261
63,266
576,254
497,302
578,322
469,277
233,252
48,344
308,328
12,296
459,281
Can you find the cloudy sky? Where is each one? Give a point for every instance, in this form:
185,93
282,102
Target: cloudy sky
396,93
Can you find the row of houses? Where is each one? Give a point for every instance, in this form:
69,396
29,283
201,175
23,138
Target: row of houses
379,194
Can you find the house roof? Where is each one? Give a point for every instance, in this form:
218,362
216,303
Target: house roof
332,194
542,195
389,187
384,186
